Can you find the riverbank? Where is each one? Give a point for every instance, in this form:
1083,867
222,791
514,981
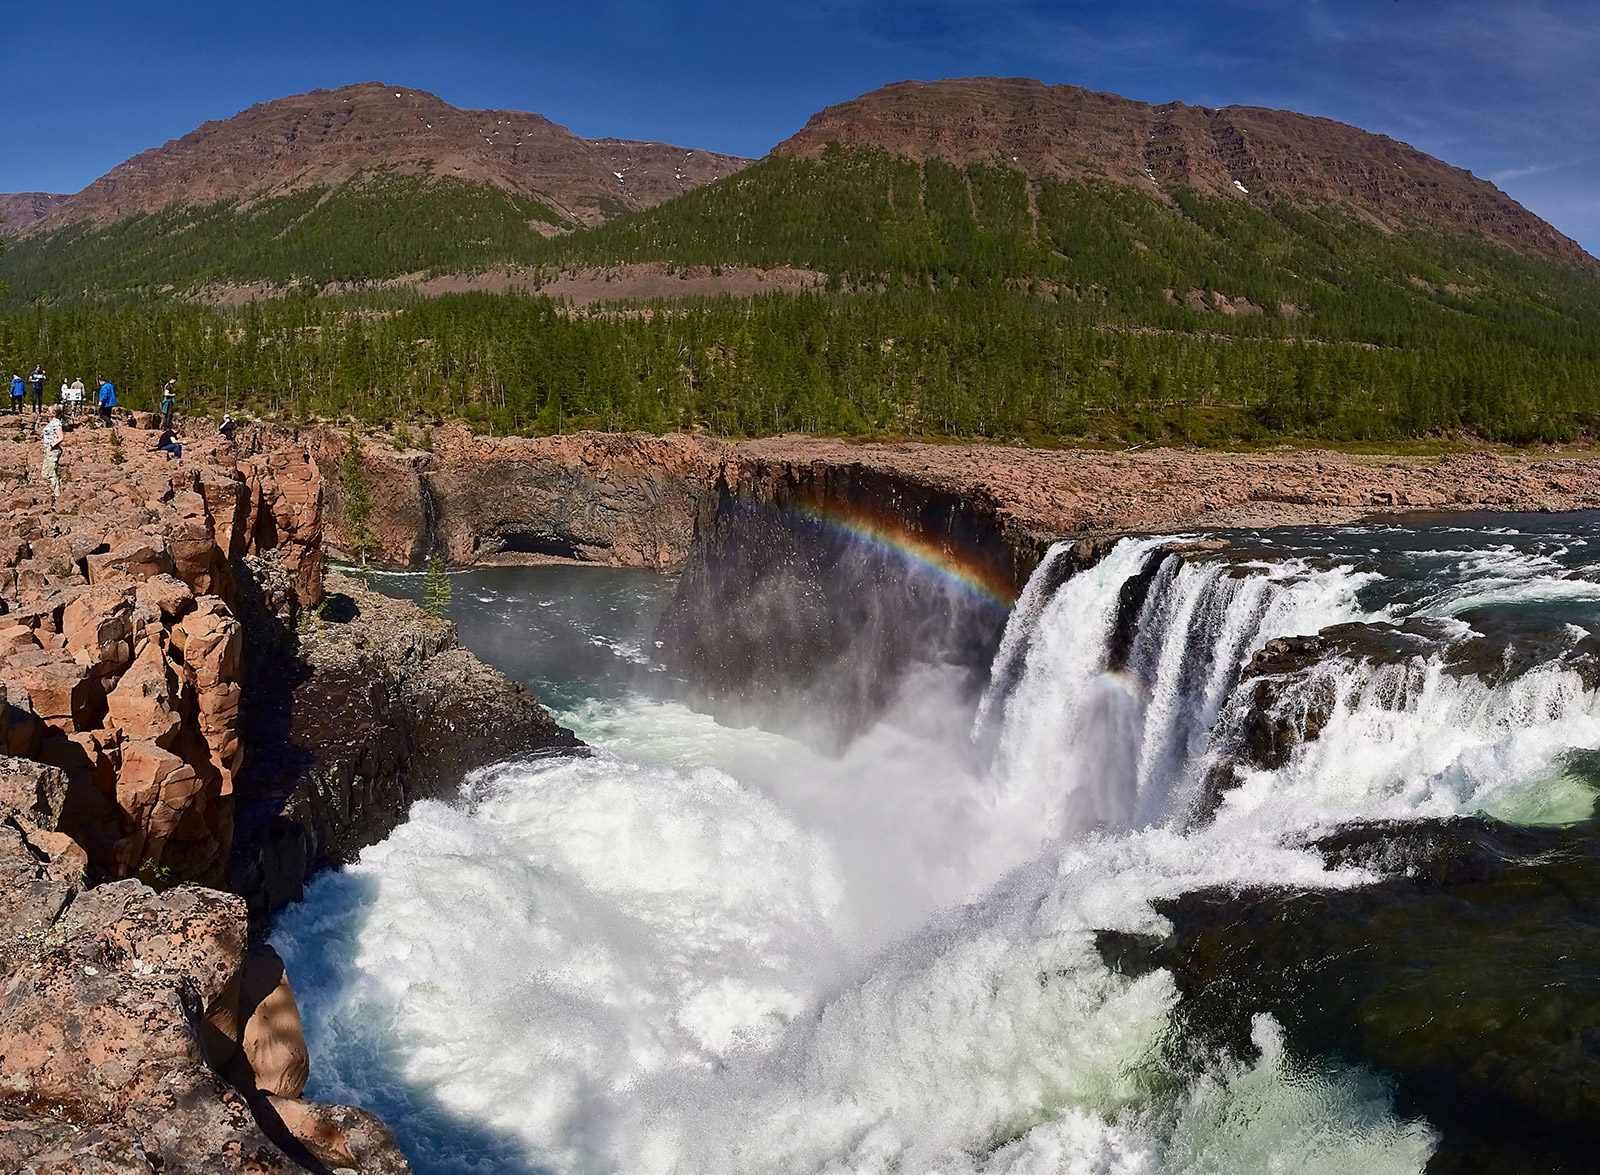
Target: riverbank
635,499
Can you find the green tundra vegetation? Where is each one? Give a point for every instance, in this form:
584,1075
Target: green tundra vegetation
959,304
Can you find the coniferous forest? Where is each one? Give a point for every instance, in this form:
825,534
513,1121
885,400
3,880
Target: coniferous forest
958,304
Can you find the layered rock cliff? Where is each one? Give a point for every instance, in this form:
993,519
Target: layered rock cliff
817,572
633,499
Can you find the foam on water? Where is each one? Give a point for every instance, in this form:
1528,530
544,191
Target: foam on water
710,950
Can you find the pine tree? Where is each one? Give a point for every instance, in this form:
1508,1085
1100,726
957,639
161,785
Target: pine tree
436,587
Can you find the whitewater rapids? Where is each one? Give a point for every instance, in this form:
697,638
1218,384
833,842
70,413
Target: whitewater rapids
711,950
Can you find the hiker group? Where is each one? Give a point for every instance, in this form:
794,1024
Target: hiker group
71,403
55,421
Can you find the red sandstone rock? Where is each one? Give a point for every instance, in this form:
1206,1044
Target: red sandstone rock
101,1069
145,705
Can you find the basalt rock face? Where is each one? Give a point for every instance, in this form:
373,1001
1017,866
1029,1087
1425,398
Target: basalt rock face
373,706
120,638
107,1064
1501,1058
180,702
628,500
813,590
633,499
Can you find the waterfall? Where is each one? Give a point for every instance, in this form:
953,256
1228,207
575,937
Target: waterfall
428,541
708,949
1106,693
1116,701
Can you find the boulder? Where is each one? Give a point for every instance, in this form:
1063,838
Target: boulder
145,704
154,790
33,793
167,595
59,690
136,559
98,628
342,1138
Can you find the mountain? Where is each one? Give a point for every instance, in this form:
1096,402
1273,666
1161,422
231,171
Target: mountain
361,182
1166,216
19,211
987,257
327,138
1247,153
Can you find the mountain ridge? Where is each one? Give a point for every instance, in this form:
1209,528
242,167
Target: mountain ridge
1258,154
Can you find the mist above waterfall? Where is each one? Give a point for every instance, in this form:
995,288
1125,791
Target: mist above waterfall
709,949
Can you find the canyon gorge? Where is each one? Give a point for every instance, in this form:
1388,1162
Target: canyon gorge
199,717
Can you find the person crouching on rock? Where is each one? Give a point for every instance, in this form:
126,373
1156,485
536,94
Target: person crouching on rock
167,443
50,436
226,428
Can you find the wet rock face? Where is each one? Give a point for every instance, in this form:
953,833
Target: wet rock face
120,643
812,592
626,500
1468,974
368,709
104,1064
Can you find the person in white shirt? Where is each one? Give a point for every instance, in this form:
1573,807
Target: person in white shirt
50,437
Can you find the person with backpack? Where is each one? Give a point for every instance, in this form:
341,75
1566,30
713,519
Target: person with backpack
18,390
50,438
36,384
169,401
108,400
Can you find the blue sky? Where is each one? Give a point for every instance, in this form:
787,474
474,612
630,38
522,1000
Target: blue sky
1507,88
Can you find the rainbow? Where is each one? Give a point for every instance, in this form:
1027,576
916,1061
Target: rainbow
964,570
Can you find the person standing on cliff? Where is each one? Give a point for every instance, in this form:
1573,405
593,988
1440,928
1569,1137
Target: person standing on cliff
50,437
169,402
36,383
108,400
18,390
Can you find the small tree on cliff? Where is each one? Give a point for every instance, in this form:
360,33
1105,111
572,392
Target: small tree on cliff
436,587
357,500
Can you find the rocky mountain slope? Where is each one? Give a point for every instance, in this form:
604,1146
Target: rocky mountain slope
326,138
19,211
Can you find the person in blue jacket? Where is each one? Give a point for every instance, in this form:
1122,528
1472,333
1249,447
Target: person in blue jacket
108,399
18,390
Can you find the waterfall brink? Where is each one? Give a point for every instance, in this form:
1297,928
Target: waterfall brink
1148,689
1106,692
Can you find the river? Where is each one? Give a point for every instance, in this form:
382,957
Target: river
707,949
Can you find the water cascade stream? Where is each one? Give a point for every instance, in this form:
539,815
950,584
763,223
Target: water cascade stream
704,949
